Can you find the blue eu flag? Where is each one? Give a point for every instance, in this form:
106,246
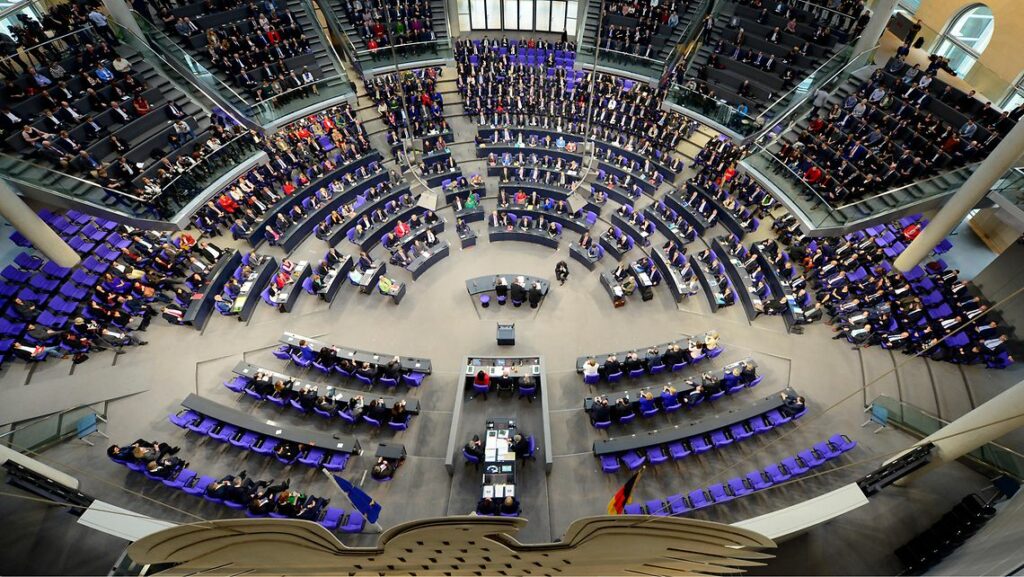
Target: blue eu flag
360,500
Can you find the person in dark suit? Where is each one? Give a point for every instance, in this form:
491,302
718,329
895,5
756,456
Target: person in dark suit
600,412
520,446
791,404
475,447
518,291
535,295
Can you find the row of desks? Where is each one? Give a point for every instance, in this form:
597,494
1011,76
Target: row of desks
341,231
486,284
693,429
257,235
335,442
533,235
741,280
634,394
428,258
412,364
249,371
707,280
662,348
298,232
249,295
727,218
780,287
201,306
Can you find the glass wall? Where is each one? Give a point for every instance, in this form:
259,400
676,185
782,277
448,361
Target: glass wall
529,15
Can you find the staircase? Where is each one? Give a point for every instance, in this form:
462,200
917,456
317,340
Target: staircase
438,53
47,181
636,67
332,80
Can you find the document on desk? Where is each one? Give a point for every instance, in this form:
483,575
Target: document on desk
488,491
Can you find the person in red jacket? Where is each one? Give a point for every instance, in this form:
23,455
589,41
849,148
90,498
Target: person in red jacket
812,175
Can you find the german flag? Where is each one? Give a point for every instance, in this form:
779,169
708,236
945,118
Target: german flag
624,495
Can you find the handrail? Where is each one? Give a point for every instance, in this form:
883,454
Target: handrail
800,177
631,55
28,49
892,191
303,87
18,160
811,75
377,50
156,32
776,122
898,416
202,160
311,12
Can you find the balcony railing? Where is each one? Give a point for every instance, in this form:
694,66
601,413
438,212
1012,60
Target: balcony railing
823,214
996,458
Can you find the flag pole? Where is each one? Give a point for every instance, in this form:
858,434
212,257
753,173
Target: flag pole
376,528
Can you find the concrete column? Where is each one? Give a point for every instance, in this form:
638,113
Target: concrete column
120,13
28,223
999,416
971,192
880,14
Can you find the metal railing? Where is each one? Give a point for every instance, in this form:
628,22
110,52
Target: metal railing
35,435
213,164
209,83
401,55
822,213
992,456
52,48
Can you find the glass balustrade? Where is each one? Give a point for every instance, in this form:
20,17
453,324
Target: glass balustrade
1002,460
823,214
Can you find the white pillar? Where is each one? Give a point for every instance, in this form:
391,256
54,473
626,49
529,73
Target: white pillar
28,223
881,12
120,12
999,416
1004,156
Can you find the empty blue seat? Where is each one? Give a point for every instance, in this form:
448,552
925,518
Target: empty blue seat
656,455
678,450
633,509
758,425
413,379
719,494
266,447
313,458
224,434
633,460
698,500
699,445
842,442
720,439
795,465
739,431
777,473
354,523
245,441
811,457
758,480
677,504
610,463
656,507
184,418
336,461
738,486
332,518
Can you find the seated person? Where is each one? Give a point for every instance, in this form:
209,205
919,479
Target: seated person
384,468
792,404
486,507
475,447
288,451
509,506
520,445
600,412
